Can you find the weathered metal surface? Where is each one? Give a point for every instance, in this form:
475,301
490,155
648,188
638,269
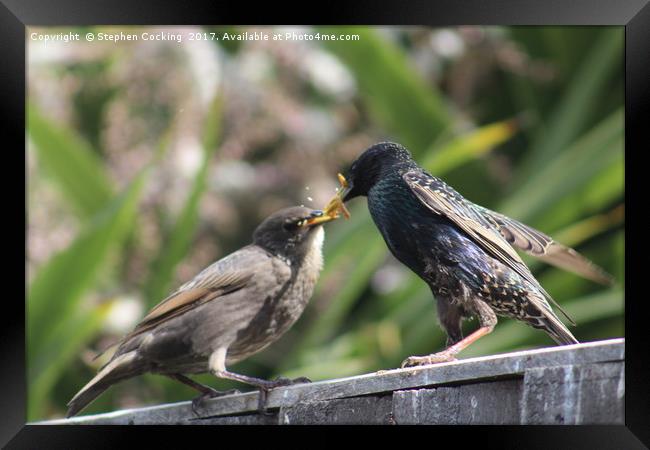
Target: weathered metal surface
369,410
494,403
574,395
583,383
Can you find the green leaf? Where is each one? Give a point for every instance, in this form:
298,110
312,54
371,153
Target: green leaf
56,290
71,162
362,263
574,109
570,170
580,231
468,146
177,243
603,189
63,345
396,95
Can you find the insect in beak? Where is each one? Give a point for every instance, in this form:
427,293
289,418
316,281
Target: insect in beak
315,218
335,207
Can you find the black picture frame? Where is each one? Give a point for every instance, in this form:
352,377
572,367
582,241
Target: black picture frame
634,15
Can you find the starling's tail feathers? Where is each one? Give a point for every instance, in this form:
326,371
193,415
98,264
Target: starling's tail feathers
118,369
558,332
543,317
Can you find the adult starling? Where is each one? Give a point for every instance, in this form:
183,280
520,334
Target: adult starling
464,252
231,310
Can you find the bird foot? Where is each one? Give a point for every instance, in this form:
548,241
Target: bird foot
436,358
278,382
212,393
284,381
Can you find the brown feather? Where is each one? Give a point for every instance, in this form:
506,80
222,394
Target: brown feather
541,246
203,288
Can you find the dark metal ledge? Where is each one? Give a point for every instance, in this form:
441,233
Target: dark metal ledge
575,384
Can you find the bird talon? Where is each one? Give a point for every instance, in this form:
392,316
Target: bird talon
261,402
213,393
281,381
284,381
412,361
436,358
278,382
196,404
300,380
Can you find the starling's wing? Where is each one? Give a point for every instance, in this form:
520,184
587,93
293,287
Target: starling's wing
225,276
541,246
445,201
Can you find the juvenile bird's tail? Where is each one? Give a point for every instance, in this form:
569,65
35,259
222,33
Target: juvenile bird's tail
120,368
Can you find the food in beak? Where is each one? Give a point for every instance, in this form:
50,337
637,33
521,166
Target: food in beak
335,207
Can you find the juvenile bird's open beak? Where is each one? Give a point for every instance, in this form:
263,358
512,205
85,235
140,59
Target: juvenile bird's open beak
316,218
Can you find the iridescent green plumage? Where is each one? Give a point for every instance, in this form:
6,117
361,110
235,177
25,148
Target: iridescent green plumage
463,251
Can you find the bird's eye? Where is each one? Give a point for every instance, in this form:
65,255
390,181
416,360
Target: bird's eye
292,224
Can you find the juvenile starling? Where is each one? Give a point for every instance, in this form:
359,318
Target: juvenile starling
232,309
464,252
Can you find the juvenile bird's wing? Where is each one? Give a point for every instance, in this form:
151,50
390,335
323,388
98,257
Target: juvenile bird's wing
445,201
225,276
541,246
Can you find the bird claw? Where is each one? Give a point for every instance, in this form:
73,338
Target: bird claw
278,382
213,393
284,381
261,402
436,358
300,380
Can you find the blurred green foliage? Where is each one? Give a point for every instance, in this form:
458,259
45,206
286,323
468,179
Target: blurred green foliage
539,136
